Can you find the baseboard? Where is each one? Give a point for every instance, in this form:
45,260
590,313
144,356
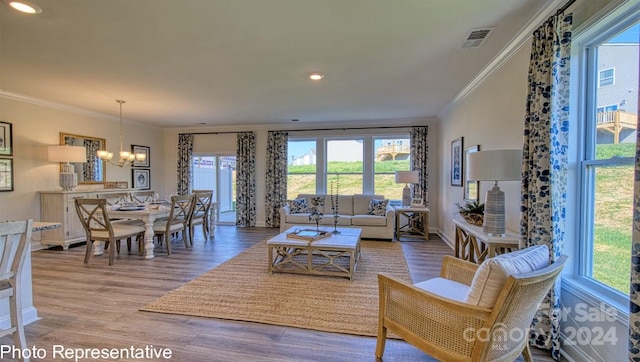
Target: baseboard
29,315
445,239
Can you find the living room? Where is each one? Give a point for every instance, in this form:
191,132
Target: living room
488,111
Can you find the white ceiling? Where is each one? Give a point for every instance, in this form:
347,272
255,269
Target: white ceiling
226,62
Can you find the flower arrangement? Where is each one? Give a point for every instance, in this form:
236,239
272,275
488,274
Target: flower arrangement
315,214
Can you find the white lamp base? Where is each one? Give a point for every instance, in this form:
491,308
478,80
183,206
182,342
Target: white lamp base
494,215
406,196
68,178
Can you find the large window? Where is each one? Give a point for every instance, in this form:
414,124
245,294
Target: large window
358,164
608,148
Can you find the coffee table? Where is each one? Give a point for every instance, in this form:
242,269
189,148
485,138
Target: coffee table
336,255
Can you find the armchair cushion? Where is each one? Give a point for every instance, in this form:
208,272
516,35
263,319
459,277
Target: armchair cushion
445,288
493,273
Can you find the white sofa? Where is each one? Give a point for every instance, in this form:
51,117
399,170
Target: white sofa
353,211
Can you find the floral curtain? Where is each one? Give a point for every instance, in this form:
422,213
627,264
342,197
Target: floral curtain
276,192
90,168
634,302
185,160
544,164
246,179
420,162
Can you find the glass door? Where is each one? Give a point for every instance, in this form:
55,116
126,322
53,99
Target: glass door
218,173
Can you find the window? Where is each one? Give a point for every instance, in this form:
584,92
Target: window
606,77
359,164
608,148
301,169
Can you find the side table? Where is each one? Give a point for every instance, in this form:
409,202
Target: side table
417,222
473,245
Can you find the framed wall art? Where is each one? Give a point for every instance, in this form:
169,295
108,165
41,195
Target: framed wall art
456,162
144,150
141,179
6,139
471,187
6,174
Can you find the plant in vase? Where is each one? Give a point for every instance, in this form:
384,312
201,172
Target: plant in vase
472,212
315,214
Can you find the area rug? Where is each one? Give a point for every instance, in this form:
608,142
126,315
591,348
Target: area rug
242,289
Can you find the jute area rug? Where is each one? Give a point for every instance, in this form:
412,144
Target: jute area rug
242,289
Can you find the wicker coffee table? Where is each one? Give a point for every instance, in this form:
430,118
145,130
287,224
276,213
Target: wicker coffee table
336,255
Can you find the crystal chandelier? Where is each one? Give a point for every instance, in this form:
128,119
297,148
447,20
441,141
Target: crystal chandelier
126,157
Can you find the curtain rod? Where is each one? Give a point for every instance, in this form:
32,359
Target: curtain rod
340,128
194,133
566,6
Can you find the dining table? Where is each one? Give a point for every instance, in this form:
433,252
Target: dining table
148,214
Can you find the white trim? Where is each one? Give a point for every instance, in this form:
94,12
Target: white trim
29,315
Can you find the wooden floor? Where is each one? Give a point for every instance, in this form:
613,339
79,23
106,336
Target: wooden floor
96,306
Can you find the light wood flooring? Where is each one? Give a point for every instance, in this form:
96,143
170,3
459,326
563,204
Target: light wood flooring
96,306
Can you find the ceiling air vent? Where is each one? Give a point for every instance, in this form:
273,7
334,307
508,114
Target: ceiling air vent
476,37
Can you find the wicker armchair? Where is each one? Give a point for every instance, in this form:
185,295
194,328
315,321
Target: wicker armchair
453,330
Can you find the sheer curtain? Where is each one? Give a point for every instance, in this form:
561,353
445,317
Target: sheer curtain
246,179
420,162
544,164
276,188
185,160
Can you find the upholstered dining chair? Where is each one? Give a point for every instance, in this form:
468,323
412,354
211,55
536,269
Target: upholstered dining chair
471,312
178,220
14,238
200,215
97,226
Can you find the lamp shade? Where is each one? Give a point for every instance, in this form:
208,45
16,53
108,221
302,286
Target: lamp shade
67,153
407,177
494,165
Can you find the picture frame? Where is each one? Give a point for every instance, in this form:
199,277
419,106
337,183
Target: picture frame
471,187
141,149
141,179
6,139
457,167
417,202
6,174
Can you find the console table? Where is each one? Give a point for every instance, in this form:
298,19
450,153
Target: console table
417,222
472,244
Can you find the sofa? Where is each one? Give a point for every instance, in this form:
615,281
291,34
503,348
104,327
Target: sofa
371,213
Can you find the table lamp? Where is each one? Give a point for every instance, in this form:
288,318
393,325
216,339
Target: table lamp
406,178
66,155
494,165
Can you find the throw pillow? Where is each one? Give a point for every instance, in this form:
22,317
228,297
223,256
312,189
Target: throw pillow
298,206
378,207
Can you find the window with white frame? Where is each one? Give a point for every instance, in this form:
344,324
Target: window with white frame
607,152
606,77
354,164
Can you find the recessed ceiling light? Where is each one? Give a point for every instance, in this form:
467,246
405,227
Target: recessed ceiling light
24,6
316,76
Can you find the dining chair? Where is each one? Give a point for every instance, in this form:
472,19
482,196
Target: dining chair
200,214
120,198
178,220
14,239
97,226
143,197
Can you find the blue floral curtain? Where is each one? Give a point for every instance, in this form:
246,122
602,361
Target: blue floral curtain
544,164
420,162
276,192
185,160
634,303
246,179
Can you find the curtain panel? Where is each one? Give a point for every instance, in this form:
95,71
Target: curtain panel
544,164
634,302
246,179
276,188
420,162
185,162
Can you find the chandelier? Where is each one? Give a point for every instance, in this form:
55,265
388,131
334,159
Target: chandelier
126,157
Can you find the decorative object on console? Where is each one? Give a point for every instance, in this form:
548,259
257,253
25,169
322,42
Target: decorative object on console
116,185
472,212
335,207
494,165
406,178
67,155
126,157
